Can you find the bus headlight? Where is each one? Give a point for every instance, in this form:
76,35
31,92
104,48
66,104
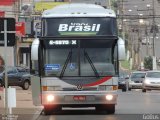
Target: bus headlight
109,97
50,98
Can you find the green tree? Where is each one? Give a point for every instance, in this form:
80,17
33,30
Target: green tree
148,62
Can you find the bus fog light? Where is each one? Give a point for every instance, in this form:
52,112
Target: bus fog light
109,97
50,98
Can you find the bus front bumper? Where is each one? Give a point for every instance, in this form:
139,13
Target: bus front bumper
78,98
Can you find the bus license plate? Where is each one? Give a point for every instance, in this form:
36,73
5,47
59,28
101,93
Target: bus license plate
79,98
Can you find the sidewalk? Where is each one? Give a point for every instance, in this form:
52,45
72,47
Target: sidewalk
24,104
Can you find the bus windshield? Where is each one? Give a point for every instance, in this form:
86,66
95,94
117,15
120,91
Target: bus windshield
92,58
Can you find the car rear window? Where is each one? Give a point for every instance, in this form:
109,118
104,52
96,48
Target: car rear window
137,75
153,74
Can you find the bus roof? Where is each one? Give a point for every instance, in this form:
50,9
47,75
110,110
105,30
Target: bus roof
78,10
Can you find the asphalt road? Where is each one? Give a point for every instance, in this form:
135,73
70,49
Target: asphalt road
132,105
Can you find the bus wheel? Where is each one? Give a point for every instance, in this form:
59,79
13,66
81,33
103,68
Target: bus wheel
51,109
111,108
47,110
1,85
123,89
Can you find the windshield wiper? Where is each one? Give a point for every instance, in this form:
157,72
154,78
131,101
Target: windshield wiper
66,63
91,63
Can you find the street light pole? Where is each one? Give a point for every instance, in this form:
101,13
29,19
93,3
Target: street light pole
109,3
5,77
154,65
153,27
123,27
146,33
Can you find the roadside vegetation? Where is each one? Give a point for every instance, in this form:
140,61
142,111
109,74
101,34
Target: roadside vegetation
125,64
148,63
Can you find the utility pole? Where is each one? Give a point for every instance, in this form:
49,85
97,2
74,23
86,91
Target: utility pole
146,28
6,77
154,63
109,3
153,27
123,28
147,40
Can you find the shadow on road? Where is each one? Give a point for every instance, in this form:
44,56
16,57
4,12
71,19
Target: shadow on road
78,112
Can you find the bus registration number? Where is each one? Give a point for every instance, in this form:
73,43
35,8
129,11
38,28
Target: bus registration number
79,98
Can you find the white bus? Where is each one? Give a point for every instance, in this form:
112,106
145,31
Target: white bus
77,55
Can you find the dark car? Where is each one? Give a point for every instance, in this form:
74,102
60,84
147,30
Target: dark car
122,80
17,76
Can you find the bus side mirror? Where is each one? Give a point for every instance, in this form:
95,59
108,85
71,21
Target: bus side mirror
34,49
121,49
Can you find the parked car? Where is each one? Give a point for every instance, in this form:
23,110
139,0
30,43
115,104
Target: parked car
135,80
122,80
151,81
17,76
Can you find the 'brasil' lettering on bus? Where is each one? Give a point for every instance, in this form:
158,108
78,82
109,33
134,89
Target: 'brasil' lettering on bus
79,27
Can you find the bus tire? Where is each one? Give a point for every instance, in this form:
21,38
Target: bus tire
111,108
47,111
123,89
51,109
1,84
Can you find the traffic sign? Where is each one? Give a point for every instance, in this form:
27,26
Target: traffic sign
10,31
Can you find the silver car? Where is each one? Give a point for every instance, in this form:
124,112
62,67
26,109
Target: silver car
135,80
151,81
